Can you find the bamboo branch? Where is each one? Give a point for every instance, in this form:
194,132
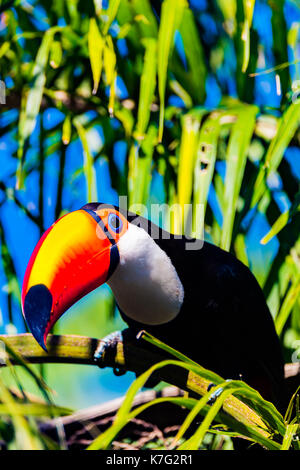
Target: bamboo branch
131,356
67,349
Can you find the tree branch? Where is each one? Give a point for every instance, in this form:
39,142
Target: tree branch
74,103
130,356
265,128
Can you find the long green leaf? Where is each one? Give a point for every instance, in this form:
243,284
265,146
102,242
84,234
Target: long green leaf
288,304
291,430
194,79
248,14
171,17
139,168
280,45
194,412
25,438
147,87
33,101
282,220
204,166
187,156
110,14
289,123
194,442
236,158
122,417
110,60
88,167
244,391
33,409
96,46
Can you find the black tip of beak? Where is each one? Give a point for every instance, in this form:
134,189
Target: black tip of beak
37,308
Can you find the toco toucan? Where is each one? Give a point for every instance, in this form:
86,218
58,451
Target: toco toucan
204,303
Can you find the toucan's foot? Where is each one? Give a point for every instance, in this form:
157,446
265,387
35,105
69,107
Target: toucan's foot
108,343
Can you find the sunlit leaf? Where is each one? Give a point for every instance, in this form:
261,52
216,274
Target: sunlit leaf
195,76
55,54
109,61
236,158
205,165
171,17
88,167
147,87
288,125
288,303
96,46
110,14
140,163
248,13
67,130
33,99
291,431
187,157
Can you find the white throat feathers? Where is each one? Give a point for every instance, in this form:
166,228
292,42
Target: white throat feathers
145,283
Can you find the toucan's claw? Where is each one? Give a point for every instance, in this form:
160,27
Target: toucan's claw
108,343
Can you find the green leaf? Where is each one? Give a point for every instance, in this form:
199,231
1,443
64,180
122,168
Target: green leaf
109,60
139,171
88,167
236,158
288,124
110,14
240,248
33,100
278,225
171,17
67,130
204,166
5,46
33,409
25,438
291,431
248,14
282,220
280,46
193,79
187,157
123,415
56,54
194,442
147,87
112,94
96,47
288,303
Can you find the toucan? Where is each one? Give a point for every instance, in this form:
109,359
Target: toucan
203,302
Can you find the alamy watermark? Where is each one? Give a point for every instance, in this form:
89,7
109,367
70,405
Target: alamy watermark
187,219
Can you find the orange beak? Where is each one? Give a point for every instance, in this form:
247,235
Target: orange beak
73,257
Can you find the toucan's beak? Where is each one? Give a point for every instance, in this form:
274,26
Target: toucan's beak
72,258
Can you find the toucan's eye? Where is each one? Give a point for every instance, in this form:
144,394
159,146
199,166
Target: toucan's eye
115,222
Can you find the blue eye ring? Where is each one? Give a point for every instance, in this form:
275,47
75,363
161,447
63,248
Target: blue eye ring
115,222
